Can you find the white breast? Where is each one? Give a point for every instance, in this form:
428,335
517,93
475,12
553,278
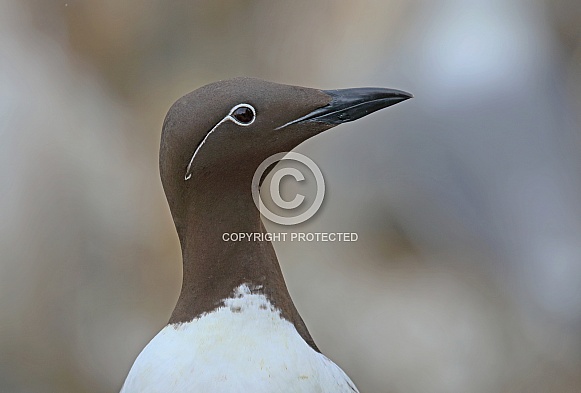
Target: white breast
244,346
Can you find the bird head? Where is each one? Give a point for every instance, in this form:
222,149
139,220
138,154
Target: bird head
217,135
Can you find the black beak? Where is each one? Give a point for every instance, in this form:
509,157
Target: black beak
352,104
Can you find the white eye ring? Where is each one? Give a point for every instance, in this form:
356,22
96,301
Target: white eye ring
229,116
239,122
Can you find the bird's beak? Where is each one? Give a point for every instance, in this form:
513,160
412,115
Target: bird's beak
352,104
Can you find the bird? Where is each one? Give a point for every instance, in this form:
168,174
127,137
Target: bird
235,327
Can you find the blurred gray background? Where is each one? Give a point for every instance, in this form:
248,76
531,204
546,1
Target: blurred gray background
467,199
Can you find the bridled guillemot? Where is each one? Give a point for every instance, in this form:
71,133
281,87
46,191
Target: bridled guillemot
235,327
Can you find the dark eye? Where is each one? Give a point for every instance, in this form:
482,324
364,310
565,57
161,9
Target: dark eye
244,115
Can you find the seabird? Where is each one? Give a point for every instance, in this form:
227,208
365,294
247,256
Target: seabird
235,327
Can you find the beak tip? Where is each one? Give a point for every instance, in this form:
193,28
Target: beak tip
405,95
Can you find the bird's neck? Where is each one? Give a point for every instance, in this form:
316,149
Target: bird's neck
214,266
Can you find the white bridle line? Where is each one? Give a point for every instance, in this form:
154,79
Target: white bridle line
228,117
188,174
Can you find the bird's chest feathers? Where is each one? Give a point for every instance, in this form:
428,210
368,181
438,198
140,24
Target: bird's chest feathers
241,346
246,330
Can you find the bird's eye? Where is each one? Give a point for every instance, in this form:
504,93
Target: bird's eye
244,114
